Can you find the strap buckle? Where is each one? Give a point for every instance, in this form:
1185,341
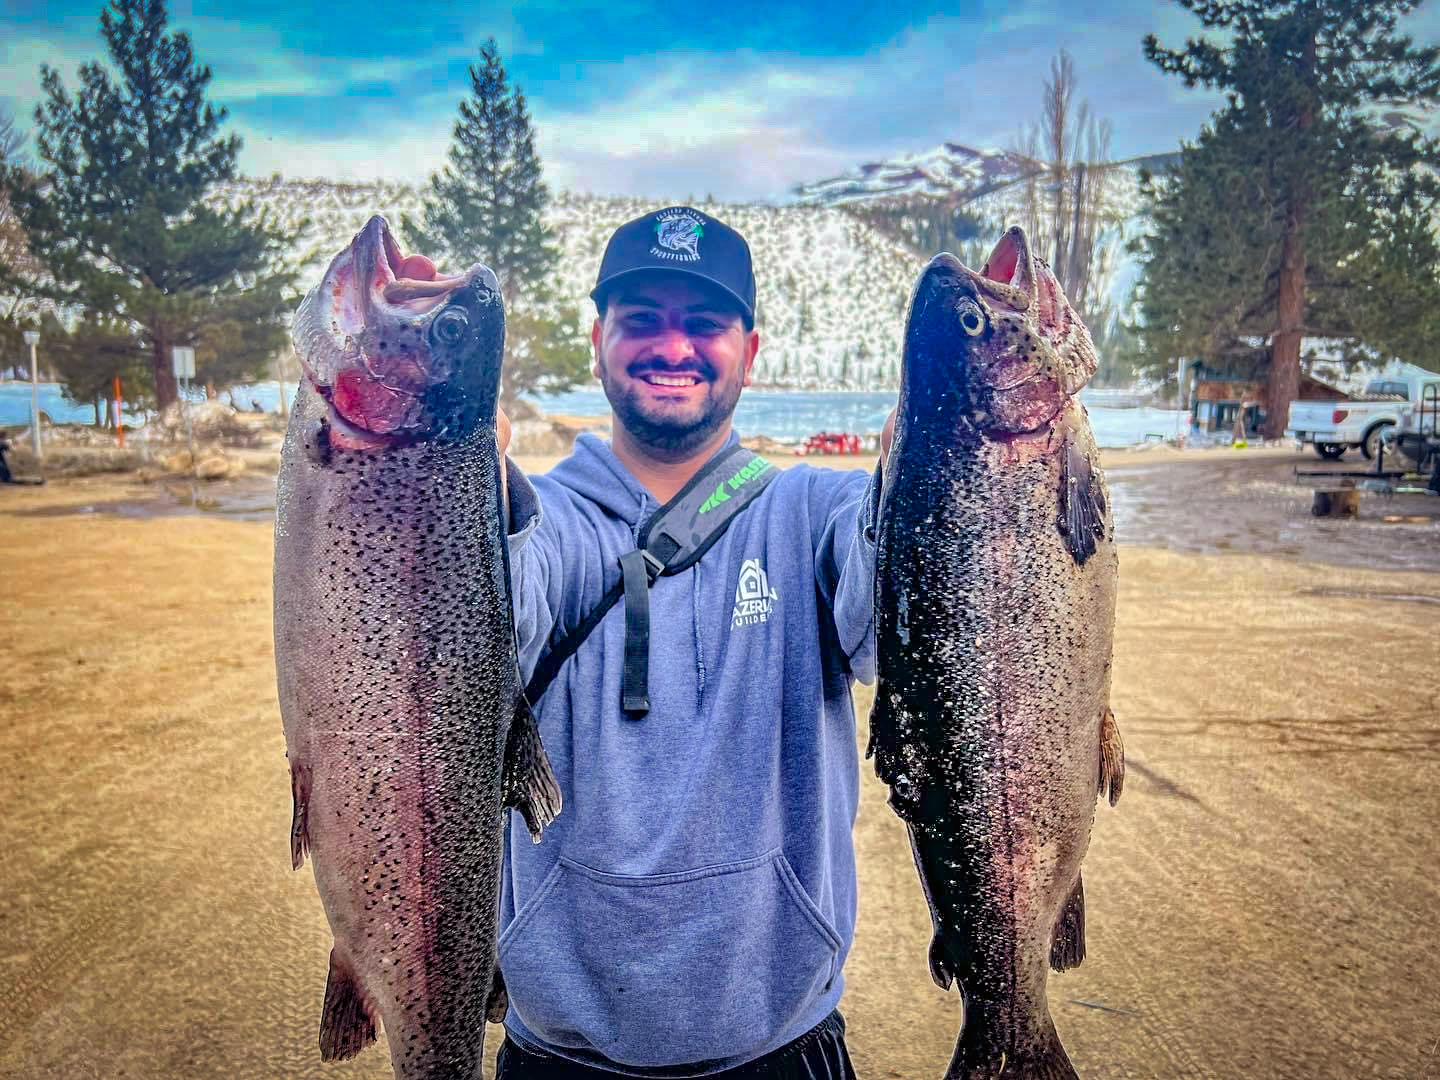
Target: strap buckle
653,566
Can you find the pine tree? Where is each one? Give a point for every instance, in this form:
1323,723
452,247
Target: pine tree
118,218
487,205
1300,210
15,261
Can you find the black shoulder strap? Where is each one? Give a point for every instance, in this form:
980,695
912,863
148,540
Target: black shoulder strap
673,540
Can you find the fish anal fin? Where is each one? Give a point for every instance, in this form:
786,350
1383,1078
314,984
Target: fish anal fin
497,1004
1112,758
529,783
1082,503
300,813
346,1023
1067,943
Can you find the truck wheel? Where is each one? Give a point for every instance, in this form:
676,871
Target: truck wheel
1370,444
1330,451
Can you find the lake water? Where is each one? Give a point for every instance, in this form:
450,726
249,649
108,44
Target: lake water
796,414
780,414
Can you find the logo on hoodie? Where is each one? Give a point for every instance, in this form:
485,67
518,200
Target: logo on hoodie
754,598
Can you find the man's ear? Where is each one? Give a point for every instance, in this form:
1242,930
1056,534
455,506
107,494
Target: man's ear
595,348
752,346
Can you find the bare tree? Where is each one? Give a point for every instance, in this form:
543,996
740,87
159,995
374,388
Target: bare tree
1065,200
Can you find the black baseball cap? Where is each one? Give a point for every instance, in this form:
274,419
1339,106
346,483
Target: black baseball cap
681,240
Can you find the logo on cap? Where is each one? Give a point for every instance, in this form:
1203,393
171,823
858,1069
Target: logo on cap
677,236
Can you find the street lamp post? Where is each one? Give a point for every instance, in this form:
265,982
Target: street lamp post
32,338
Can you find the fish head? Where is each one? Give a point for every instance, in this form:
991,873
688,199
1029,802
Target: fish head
1002,339
400,353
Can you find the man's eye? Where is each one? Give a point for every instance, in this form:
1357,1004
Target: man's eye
703,326
640,320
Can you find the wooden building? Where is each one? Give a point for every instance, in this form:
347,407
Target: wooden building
1218,393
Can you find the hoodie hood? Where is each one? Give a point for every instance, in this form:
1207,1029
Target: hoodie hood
593,470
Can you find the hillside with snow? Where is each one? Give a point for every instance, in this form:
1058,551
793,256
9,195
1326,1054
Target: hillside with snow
831,290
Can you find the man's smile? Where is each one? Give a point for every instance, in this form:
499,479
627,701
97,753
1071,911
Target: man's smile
659,378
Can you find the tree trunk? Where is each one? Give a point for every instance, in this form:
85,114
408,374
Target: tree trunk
97,412
166,392
1284,382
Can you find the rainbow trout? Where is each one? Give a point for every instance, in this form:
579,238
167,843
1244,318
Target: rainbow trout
394,646
995,606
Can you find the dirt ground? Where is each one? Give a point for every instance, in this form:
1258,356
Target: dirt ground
1262,903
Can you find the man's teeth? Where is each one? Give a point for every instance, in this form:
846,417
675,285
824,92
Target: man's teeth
671,380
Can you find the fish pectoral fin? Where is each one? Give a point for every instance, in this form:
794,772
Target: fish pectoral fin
498,1003
1112,758
529,783
1082,503
300,814
347,1025
1067,942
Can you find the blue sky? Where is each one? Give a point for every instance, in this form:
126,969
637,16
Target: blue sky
657,100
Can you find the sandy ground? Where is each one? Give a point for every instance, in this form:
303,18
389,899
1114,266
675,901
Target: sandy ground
1262,903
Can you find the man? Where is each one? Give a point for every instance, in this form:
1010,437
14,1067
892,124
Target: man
689,912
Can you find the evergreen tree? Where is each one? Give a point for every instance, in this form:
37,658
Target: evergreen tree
88,356
1300,210
487,205
15,303
118,219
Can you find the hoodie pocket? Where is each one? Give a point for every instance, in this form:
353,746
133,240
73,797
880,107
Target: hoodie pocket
669,969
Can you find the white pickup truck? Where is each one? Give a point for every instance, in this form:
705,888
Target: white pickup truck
1336,426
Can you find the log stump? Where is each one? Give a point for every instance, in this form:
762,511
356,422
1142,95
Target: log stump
1336,502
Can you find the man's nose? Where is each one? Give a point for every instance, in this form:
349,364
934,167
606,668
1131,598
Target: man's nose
674,346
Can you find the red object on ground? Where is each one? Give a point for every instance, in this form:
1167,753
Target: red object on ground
831,442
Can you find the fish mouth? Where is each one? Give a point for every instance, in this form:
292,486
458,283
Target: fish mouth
364,338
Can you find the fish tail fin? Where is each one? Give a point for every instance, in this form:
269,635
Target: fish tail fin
346,1023
1112,758
979,1055
300,814
529,783
1067,944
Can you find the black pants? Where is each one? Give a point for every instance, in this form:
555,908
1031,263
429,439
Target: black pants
819,1054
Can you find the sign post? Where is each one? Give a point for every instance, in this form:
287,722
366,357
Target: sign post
119,423
183,364
32,338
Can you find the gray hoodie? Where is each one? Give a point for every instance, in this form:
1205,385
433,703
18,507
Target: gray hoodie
691,907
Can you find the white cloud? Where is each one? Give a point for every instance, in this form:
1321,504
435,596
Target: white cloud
399,154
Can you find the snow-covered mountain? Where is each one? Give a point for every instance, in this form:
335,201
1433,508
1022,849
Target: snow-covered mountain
831,290
950,169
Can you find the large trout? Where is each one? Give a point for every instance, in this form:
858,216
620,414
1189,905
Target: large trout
995,603
394,644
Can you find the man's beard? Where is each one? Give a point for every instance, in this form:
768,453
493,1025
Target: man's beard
667,434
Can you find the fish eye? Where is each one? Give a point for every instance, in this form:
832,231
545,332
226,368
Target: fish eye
450,326
971,319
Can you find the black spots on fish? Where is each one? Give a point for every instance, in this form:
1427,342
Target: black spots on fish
1082,503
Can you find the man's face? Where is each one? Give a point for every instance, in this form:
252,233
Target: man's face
672,354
